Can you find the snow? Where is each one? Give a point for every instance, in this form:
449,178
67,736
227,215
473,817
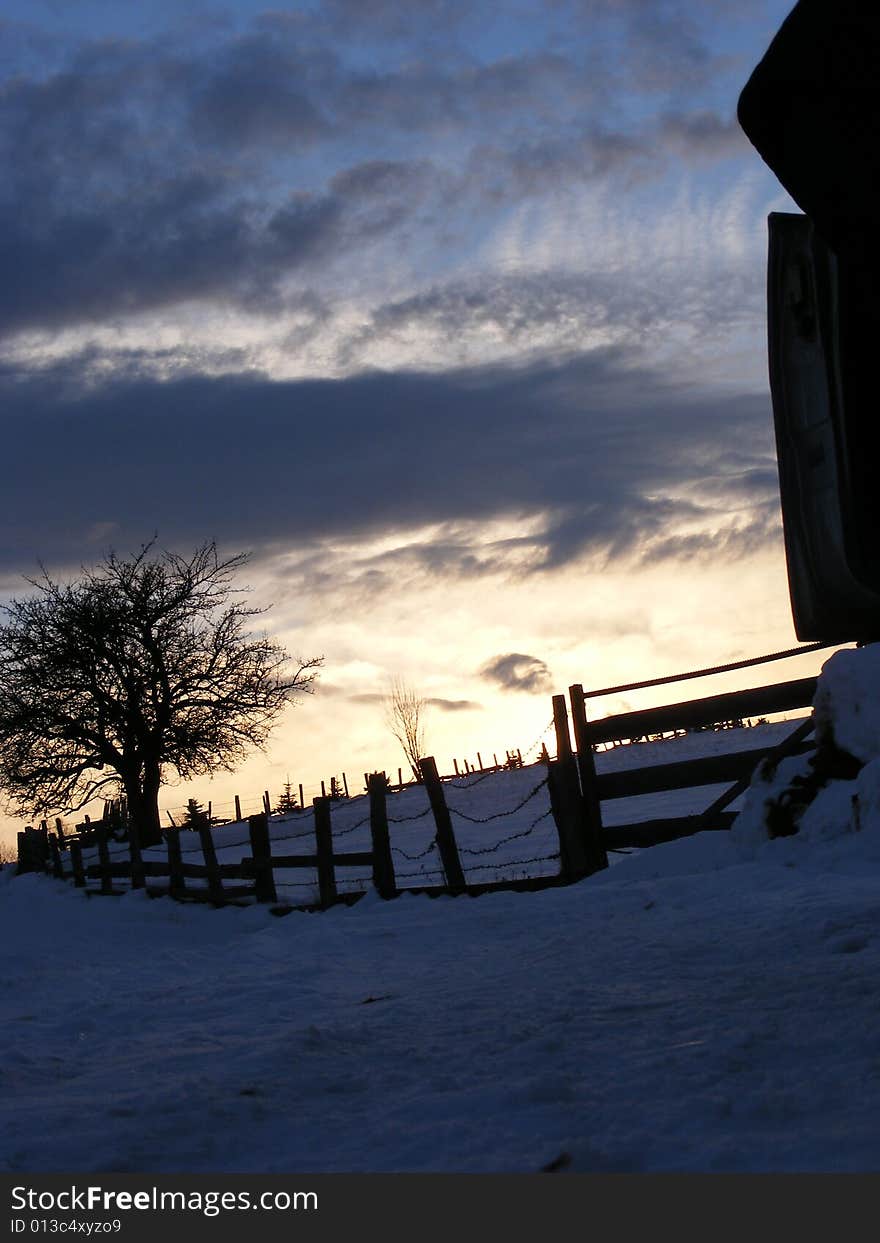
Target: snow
516,800
847,706
710,1004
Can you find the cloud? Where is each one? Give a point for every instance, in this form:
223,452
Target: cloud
381,698
702,135
602,457
181,241
515,671
147,173
455,705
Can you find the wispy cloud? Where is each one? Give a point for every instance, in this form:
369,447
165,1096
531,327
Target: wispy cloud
261,162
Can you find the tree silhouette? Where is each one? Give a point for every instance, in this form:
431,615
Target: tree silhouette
287,802
404,714
140,665
196,815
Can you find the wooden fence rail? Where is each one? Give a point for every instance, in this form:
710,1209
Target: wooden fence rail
576,794
736,767
693,714
256,873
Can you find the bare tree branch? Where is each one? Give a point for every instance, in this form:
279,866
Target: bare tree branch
404,716
141,664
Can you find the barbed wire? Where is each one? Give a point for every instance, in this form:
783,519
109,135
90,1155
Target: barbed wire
496,867
499,815
398,850
469,785
516,863
490,850
197,850
351,828
540,737
409,819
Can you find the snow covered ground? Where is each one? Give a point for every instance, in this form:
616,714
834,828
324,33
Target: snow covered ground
711,1004
502,821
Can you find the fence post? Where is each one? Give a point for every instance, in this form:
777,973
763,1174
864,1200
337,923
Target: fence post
215,883
383,863
76,863
237,808
565,801
586,765
261,848
560,720
55,856
446,843
176,878
138,879
104,858
33,850
324,850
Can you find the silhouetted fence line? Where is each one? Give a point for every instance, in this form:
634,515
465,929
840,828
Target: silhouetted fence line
714,711
261,873
236,810
571,791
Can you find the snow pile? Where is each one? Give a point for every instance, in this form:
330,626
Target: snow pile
835,792
707,1005
847,703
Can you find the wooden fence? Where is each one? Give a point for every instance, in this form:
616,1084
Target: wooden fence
334,788
735,767
253,877
575,790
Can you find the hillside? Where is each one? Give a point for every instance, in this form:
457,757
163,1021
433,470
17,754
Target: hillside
710,1004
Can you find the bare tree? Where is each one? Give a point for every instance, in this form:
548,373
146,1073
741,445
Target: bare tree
140,665
404,715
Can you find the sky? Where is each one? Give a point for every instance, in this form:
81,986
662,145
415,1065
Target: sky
451,314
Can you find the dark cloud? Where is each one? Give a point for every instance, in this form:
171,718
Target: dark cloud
143,174
258,91
181,241
454,705
609,457
375,697
664,45
702,135
515,671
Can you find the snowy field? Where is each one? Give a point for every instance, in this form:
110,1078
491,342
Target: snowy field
708,1005
502,821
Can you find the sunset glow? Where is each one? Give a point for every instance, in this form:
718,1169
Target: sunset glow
451,313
